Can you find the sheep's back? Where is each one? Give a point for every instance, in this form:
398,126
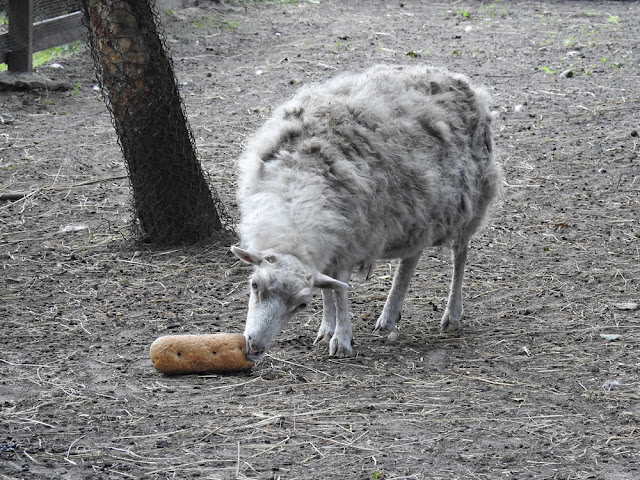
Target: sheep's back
398,158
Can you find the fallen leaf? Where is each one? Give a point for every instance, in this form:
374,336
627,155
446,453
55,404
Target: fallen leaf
626,306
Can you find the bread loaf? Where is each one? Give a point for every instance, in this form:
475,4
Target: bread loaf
214,353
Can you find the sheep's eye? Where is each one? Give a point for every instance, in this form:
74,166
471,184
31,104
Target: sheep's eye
254,286
302,306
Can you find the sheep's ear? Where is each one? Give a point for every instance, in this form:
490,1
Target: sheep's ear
320,280
254,258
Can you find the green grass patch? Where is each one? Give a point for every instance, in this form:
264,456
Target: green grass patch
207,22
46,56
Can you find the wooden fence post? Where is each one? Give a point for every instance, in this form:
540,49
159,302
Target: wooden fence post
21,31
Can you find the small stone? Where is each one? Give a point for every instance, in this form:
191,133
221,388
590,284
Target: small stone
610,337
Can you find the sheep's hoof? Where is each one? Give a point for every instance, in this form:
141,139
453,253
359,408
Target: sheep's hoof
393,335
324,335
385,325
340,348
322,339
450,323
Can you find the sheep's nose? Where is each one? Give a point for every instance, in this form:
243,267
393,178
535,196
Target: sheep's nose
255,349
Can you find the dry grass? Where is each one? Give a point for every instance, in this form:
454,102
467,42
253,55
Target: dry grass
530,389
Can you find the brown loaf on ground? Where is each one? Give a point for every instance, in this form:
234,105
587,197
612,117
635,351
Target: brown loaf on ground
215,353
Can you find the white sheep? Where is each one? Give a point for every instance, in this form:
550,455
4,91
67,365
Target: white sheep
368,166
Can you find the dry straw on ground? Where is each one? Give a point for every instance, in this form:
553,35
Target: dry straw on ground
541,383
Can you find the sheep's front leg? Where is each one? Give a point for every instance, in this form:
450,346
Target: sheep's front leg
340,343
452,315
328,325
393,306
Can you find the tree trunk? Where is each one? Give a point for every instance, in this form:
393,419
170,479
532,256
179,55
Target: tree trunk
171,197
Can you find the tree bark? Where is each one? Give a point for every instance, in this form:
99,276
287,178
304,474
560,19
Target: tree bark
171,197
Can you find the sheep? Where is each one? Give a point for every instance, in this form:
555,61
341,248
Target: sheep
367,166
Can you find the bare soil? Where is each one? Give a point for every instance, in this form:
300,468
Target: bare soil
543,382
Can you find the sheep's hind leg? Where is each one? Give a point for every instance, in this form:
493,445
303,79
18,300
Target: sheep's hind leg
392,310
328,325
340,343
452,315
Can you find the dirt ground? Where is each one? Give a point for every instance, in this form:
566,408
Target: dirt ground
543,382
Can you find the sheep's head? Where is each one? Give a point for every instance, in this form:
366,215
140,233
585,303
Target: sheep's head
281,286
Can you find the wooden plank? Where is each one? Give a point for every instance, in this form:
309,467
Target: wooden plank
58,31
21,31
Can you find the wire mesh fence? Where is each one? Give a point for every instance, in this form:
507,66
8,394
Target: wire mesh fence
172,198
44,9
28,26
